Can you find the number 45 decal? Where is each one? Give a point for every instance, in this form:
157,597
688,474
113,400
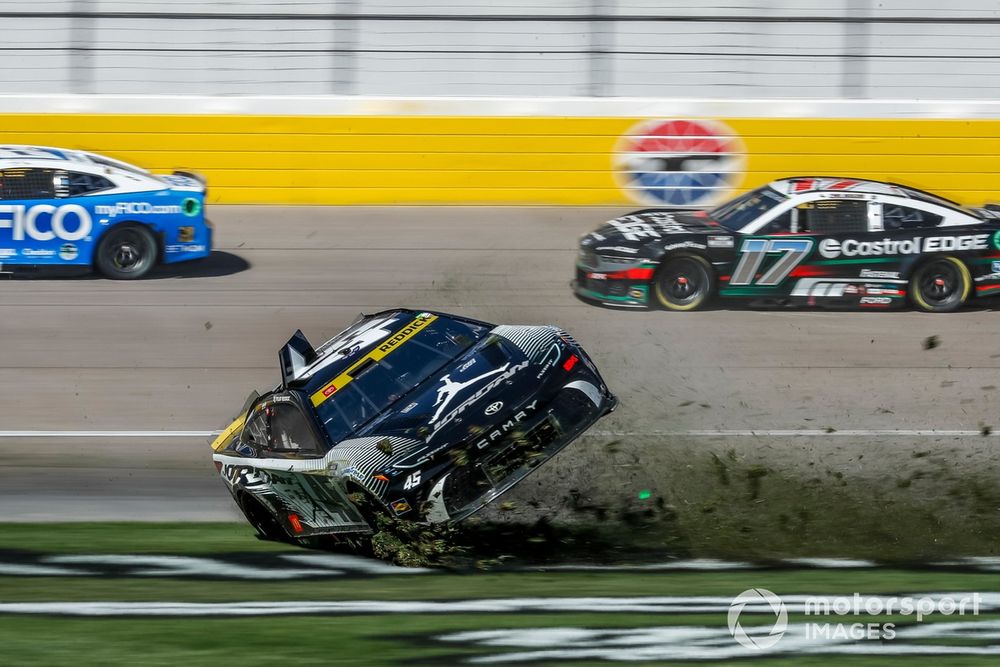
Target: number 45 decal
753,252
412,481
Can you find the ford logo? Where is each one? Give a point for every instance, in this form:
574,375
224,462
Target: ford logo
494,408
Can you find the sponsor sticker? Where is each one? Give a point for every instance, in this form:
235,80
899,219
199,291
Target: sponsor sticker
720,241
618,248
191,207
869,273
136,208
44,222
506,426
37,252
68,252
184,247
833,248
683,244
387,346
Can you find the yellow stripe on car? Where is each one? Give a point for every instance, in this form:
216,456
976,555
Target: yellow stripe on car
383,349
220,442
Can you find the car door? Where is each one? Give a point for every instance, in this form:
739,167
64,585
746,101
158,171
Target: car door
768,259
304,480
40,224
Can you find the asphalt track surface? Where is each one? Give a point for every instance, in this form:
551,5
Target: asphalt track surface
180,351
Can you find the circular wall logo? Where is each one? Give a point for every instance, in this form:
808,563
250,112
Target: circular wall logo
679,162
764,599
494,408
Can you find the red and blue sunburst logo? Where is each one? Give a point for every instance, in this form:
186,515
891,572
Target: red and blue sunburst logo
679,162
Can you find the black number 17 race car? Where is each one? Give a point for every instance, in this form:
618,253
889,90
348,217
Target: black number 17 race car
832,242
422,416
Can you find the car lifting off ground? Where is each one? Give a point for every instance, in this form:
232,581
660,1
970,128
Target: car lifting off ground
66,209
811,241
423,416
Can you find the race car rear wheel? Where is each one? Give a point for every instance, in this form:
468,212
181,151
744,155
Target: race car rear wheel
126,252
684,282
941,285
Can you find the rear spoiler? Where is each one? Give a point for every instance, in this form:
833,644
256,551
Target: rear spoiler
191,174
296,354
194,176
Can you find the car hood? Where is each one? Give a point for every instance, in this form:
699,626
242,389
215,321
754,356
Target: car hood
649,227
469,395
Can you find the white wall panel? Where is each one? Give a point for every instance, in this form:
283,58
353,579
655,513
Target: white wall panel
688,49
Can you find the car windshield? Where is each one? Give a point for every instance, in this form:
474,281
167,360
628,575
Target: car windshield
743,210
377,384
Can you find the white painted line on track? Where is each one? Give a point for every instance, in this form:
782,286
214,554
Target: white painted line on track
707,433
985,602
794,433
108,434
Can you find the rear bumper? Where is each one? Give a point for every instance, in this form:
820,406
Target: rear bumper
200,246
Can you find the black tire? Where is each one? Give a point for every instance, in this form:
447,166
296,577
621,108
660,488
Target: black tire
941,285
262,520
126,252
684,282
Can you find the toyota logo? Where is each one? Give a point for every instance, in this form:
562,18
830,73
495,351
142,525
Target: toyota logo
494,408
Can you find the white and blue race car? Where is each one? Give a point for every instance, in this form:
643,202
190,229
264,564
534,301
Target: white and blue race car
66,208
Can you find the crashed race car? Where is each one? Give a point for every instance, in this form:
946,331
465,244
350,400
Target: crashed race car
832,242
419,415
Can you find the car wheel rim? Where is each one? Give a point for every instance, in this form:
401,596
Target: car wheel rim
940,283
682,282
126,254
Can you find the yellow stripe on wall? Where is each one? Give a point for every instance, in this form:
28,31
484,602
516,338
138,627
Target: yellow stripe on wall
500,160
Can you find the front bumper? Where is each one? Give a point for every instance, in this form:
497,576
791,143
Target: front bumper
610,291
574,409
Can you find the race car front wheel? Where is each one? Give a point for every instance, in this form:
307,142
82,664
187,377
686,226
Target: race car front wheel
684,282
126,252
941,285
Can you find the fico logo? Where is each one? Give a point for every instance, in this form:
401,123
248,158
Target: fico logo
44,222
679,162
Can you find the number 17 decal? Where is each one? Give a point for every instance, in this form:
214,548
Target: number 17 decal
753,252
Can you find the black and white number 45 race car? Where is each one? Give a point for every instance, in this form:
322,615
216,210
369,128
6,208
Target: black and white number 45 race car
423,416
812,241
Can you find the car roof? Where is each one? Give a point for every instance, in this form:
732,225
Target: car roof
802,184
44,156
342,351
